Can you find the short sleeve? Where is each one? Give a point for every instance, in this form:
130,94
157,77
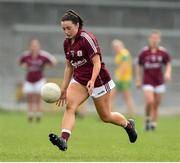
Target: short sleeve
140,58
22,59
48,58
90,44
166,58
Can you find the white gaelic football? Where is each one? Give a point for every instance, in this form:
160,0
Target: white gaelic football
50,92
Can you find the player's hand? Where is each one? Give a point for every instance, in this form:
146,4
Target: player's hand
167,77
24,66
62,99
138,84
90,87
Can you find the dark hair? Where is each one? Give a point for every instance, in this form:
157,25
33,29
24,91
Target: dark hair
72,16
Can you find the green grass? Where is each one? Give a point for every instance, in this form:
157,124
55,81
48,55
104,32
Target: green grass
91,140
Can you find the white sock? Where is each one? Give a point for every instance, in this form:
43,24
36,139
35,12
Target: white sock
66,130
148,118
126,124
38,114
30,114
154,124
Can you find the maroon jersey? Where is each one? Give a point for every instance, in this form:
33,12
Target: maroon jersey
35,66
80,55
152,64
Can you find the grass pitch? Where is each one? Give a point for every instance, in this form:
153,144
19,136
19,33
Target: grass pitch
91,140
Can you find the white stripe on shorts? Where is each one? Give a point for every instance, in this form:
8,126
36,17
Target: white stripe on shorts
100,91
158,89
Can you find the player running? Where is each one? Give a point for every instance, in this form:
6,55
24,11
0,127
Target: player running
123,74
34,61
150,68
85,75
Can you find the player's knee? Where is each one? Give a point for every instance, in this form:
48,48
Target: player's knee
71,108
150,101
106,118
157,102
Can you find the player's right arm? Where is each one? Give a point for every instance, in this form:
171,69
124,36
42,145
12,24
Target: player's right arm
168,66
139,69
168,69
68,72
23,60
138,76
24,66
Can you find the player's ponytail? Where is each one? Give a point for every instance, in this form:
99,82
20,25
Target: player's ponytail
74,17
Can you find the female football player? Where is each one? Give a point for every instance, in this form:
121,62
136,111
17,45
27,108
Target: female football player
34,61
123,74
85,75
150,66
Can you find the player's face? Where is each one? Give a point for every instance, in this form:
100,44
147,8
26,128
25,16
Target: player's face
35,46
69,29
116,47
154,39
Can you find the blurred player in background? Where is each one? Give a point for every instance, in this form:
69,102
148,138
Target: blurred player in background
34,61
85,75
123,74
150,76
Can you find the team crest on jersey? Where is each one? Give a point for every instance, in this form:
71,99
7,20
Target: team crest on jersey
72,52
79,53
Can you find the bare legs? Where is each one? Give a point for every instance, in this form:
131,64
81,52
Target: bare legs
30,106
127,96
129,102
152,102
76,95
34,99
103,107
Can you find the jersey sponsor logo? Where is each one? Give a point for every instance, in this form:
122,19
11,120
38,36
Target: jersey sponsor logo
79,53
101,92
78,63
152,65
72,52
35,65
154,58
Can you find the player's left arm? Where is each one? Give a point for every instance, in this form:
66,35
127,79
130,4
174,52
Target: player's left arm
168,70
54,62
23,63
168,66
50,60
96,69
